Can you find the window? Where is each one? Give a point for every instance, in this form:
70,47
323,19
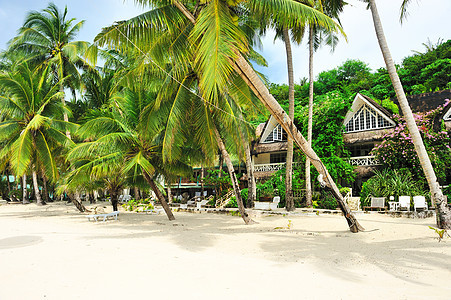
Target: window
360,150
366,118
277,135
280,157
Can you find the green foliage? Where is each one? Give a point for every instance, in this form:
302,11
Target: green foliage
441,233
220,184
387,182
244,194
232,203
138,205
437,144
328,114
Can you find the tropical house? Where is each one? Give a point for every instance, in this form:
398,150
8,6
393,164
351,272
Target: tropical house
365,124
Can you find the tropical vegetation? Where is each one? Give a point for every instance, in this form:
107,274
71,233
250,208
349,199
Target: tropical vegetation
126,127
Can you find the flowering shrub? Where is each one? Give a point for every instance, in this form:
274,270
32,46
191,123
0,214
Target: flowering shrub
397,150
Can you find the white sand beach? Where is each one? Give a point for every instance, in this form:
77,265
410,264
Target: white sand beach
54,252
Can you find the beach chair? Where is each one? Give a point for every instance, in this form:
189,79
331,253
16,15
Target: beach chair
404,203
104,217
419,202
201,203
376,203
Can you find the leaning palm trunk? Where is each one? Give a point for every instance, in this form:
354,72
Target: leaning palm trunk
160,196
308,181
289,161
236,187
36,189
248,74
443,213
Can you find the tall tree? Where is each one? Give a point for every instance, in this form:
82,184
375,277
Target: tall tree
443,213
32,131
212,28
318,35
47,38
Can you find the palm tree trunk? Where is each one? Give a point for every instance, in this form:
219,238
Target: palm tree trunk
443,213
248,74
201,183
45,190
136,192
251,186
160,197
24,190
289,203
236,187
36,189
7,181
114,199
221,162
169,193
308,180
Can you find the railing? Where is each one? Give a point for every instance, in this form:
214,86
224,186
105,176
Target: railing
221,202
268,167
364,161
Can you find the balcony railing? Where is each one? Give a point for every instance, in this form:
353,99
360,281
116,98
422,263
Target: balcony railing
364,161
268,167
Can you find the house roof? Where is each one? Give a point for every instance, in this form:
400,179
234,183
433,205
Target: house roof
378,106
359,100
427,101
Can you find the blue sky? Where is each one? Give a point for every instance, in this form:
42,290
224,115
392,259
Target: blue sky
427,19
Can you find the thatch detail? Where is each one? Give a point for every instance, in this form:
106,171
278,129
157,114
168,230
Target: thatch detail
365,171
426,101
365,136
270,147
259,130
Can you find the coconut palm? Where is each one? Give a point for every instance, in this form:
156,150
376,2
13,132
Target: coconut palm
213,29
116,149
31,130
442,211
317,36
48,37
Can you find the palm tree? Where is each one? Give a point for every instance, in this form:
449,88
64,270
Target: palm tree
47,38
31,130
316,36
119,147
242,67
443,213
212,29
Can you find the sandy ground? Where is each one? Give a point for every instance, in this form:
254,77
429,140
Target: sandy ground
53,252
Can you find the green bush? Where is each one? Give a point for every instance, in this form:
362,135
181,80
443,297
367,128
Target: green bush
386,183
138,205
244,194
232,203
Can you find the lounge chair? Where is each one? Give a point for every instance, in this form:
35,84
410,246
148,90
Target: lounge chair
419,202
105,217
404,203
376,203
201,203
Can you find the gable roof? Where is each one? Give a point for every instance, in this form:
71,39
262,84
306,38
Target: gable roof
361,100
269,127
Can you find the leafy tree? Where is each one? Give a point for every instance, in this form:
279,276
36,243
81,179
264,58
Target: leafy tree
31,131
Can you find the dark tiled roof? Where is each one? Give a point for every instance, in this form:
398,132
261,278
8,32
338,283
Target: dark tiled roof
427,101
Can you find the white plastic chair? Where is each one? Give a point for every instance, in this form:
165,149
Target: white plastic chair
419,202
404,202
